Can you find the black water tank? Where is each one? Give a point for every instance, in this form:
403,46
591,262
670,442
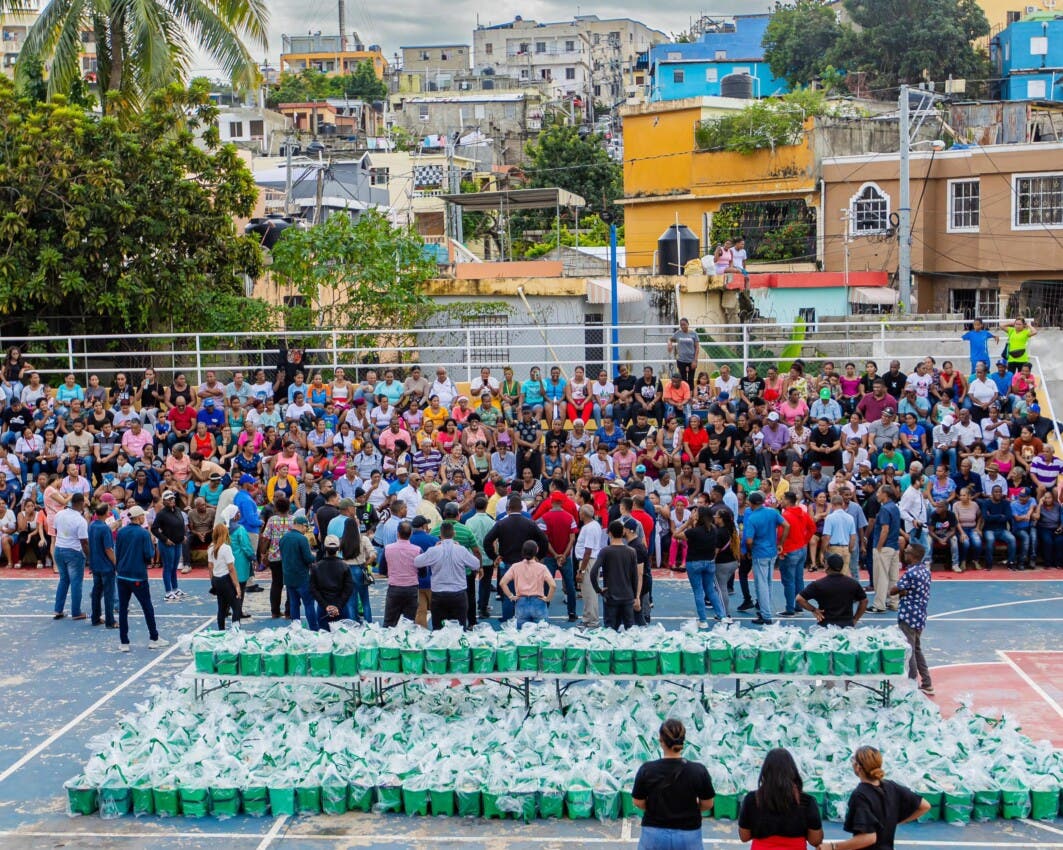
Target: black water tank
677,246
737,85
269,229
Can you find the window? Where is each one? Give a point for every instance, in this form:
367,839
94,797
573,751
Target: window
488,339
236,129
479,111
524,73
1038,201
379,176
258,128
869,210
720,54
443,55
544,74
570,73
597,39
489,48
597,91
964,205
1036,88
1039,46
422,111
975,302
678,76
524,46
424,56
540,47
570,47
711,75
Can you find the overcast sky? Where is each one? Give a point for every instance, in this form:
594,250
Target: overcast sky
413,22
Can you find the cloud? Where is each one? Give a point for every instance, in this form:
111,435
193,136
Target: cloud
410,22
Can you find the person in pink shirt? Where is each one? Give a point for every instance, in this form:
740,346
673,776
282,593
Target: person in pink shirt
134,440
793,408
523,584
392,434
401,600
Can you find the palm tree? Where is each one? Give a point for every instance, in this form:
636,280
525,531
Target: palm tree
144,45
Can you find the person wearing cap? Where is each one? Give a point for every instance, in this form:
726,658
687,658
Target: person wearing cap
211,415
134,551
245,504
836,594
825,407
764,541
1023,516
945,441
101,564
330,584
297,559
169,530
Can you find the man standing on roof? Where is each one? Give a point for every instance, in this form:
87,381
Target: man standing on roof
685,344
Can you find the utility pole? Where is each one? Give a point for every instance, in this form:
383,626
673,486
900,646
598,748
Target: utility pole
904,213
454,182
288,141
343,25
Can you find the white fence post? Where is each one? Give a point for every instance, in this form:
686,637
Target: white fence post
745,347
199,362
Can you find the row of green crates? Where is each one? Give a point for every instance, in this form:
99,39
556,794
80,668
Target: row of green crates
551,659
580,802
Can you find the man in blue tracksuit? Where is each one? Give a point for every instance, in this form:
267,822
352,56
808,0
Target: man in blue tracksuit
101,563
134,550
296,560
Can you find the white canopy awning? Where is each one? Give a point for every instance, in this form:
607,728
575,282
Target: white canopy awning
873,295
598,292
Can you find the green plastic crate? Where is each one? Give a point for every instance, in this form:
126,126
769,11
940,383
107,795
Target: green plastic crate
298,664
868,661
769,660
82,798
413,661
435,661
725,806
483,659
308,799
694,662
671,661
647,662
600,661
225,801
470,802
359,797
274,664
345,664
552,659
390,659
441,801
415,800
528,659
250,663
745,660
575,659
334,798
506,659
369,659
459,659
281,800
720,662
195,802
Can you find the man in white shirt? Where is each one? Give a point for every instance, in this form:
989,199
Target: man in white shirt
967,431
725,382
739,256
588,545
982,392
443,387
484,382
945,440
71,548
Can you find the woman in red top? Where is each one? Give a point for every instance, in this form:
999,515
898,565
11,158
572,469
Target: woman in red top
695,438
779,815
203,441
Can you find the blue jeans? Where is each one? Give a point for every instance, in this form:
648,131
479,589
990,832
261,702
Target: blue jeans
1050,547
508,608
105,591
791,571
702,578
599,412
970,548
943,455
529,609
655,838
568,580
762,568
1024,542
71,566
991,537
361,594
170,556
301,594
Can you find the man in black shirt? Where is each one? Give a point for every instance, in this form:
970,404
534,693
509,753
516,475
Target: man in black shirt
617,566
528,440
895,379
714,454
505,542
637,431
836,594
15,419
625,391
825,444
642,554
648,394
749,388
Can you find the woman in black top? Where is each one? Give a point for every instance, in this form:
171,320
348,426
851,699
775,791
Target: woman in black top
699,532
778,816
727,553
673,792
877,806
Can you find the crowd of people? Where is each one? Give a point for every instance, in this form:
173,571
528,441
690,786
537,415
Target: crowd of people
398,471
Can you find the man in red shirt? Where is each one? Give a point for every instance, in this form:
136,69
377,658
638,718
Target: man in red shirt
794,551
557,494
182,419
560,529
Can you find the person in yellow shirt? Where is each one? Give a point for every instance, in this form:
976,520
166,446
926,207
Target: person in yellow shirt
779,485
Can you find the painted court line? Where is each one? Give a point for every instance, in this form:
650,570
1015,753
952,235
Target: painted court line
198,615
994,605
1043,826
1033,685
274,832
88,712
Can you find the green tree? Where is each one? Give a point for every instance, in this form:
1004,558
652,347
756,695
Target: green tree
367,273
800,39
115,227
895,41
363,84
311,85
144,46
563,158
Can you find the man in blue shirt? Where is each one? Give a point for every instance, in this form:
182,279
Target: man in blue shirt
977,338
134,550
996,525
249,516
885,540
913,588
101,563
764,545
211,416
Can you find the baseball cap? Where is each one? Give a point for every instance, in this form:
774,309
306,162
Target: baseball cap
1035,408
135,512
816,465
776,468
630,524
209,403
247,479
724,396
640,468
402,470
948,421
332,542
888,411
824,393
344,504
215,476
1002,362
168,494
773,416
300,518
419,522
890,466
756,498
358,492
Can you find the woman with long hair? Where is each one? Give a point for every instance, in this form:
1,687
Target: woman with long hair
728,551
779,815
876,807
223,579
673,793
699,533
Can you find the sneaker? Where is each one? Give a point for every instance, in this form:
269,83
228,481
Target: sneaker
786,614
927,689
184,569
572,618
702,625
728,621
746,606
956,568
123,647
58,616
181,594
171,596
760,621
158,643
876,610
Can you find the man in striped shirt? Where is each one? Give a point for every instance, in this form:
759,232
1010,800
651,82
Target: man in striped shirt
1046,469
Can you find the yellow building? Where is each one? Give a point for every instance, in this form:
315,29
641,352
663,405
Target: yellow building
333,55
666,178
1000,13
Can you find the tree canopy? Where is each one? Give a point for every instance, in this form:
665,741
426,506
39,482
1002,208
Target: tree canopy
115,227
889,41
310,85
367,273
563,158
144,46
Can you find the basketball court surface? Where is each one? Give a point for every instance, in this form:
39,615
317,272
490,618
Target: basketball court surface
994,640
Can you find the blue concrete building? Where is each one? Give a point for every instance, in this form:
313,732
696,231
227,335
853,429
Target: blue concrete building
1029,54
698,68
